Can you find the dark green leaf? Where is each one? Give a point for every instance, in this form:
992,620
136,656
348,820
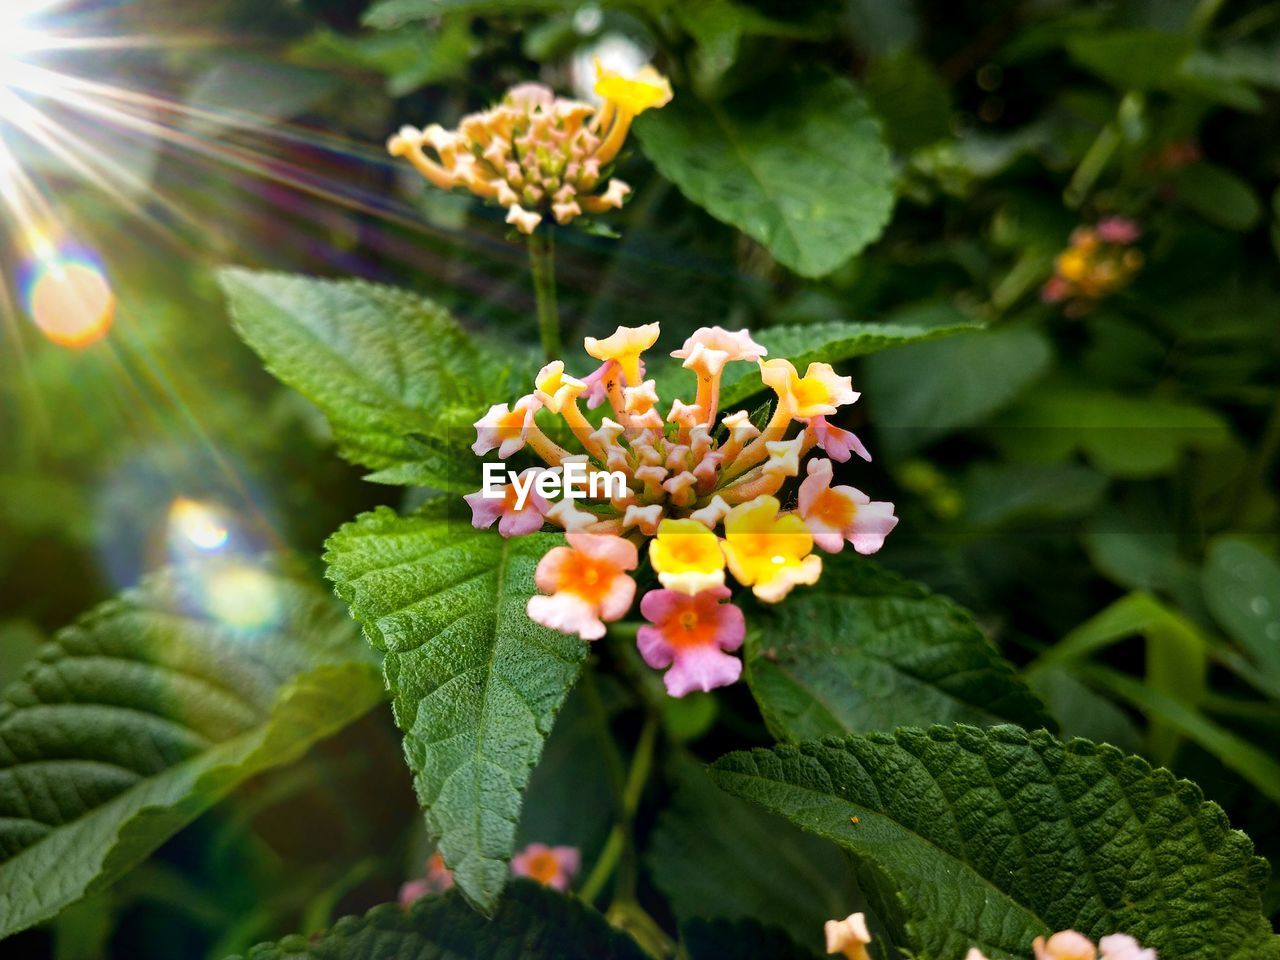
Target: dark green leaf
991,838
1242,588
1218,195
739,940
531,923
476,683
929,389
867,650
151,708
716,856
803,171
1132,59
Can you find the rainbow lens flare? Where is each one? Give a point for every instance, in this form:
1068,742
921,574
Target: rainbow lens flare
71,301
197,524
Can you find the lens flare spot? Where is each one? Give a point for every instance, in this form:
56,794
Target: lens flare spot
198,524
71,302
242,597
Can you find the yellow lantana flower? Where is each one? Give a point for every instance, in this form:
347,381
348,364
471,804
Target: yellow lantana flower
687,557
817,394
768,552
633,95
625,346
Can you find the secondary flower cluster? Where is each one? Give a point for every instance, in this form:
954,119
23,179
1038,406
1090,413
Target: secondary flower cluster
702,491
850,937
535,153
553,867
1098,261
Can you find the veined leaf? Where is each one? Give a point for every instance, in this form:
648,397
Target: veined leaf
152,707
824,342
866,650
531,923
384,365
989,838
476,683
803,170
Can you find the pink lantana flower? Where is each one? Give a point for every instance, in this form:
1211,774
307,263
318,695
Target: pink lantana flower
552,867
437,879
513,521
1064,945
505,429
836,514
1121,946
691,634
836,443
587,583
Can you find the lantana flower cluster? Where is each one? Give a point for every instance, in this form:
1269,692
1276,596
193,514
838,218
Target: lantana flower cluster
850,938
535,153
704,495
553,867
1098,261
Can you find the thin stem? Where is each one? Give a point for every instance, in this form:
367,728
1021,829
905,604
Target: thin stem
542,267
618,847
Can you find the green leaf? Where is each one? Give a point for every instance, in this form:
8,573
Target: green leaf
739,940
828,342
1132,59
151,708
476,683
1242,588
867,650
989,838
715,856
390,14
1123,436
970,377
1218,195
384,365
531,923
911,98
804,170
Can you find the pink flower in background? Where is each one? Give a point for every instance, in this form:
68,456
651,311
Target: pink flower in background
1121,946
513,521
690,634
552,867
1119,230
438,879
837,514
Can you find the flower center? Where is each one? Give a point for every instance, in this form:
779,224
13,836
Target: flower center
543,867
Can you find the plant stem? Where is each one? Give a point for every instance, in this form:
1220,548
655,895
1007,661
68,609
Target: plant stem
542,267
617,848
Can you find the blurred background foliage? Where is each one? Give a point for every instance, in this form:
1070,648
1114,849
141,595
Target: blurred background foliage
1096,480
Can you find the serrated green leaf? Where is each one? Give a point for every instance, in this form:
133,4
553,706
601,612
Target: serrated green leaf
739,940
154,706
1242,588
989,838
715,856
971,376
476,683
803,170
867,650
384,365
531,923
823,342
